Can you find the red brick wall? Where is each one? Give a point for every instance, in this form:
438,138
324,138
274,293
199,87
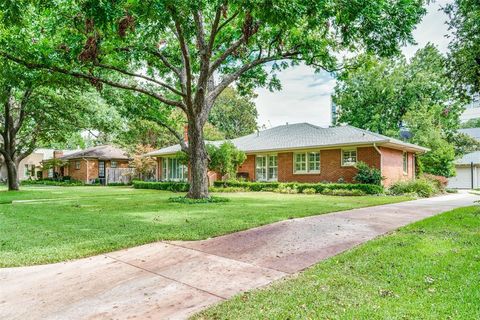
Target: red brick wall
81,174
248,167
331,169
392,166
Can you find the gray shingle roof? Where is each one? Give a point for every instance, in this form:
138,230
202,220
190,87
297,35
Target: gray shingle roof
472,132
469,158
105,152
304,135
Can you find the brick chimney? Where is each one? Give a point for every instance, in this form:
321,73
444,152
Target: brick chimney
185,133
57,154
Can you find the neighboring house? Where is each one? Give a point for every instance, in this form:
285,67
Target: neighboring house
91,165
468,172
304,152
472,110
472,132
31,166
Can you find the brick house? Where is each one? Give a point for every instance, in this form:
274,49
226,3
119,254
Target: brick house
304,152
91,164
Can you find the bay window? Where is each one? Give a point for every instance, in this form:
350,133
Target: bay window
306,162
266,167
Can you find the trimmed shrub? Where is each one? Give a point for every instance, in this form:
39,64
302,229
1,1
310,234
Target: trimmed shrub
440,181
227,189
167,186
343,192
319,187
450,190
51,182
186,200
421,187
309,191
114,184
368,175
286,188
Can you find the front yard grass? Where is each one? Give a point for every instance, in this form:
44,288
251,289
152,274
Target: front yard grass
427,270
50,224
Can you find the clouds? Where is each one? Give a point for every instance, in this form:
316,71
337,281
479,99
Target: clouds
305,96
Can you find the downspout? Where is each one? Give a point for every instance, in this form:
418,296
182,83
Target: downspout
471,174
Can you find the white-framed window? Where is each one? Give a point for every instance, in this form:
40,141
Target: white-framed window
174,170
306,162
405,162
113,164
266,167
349,157
50,173
77,165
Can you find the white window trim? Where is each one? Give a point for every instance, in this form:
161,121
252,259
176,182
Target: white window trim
348,164
405,159
79,165
267,165
307,171
112,162
167,167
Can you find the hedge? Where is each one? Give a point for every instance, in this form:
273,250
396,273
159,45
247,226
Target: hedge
319,187
168,186
50,182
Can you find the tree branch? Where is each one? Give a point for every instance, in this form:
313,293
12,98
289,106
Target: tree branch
31,65
21,117
187,69
165,85
226,81
226,53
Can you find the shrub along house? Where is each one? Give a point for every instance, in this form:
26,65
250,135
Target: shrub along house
90,165
304,152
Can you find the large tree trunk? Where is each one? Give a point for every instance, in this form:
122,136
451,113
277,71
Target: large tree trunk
12,176
198,161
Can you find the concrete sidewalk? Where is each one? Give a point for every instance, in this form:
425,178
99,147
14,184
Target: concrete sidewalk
172,280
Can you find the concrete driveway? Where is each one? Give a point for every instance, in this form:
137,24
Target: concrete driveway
172,280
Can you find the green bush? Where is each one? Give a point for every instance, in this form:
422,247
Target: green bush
167,186
319,187
51,182
368,175
287,188
113,184
343,192
186,200
450,190
309,191
421,187
227,189
440,181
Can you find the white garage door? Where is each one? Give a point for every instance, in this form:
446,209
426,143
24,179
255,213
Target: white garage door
463,180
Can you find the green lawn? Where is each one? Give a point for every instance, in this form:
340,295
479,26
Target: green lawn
64,223
428,270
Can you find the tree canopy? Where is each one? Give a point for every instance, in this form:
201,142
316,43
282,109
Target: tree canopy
391,95
464,48
234,115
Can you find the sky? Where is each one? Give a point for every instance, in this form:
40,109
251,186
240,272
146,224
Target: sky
305,95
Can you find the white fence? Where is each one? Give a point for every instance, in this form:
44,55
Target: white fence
119,175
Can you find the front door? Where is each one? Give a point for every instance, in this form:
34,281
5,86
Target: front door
101,172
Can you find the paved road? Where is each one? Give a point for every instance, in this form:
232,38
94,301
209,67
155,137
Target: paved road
172,280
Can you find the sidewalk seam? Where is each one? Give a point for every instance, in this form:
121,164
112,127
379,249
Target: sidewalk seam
168,278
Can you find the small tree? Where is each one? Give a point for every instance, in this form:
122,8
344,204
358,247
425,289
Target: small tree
143,165
225,159
368,175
